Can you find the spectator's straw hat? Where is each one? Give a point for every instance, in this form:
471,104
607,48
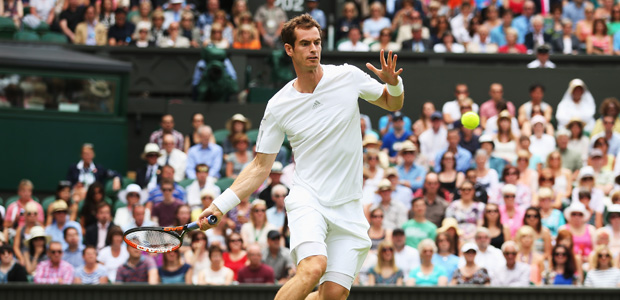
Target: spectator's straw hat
150,148
562,132
577,207
545,193
504,114
448,223
538,119
575,120
35,232
408,146
509,189
391,172
142,25
175,1
59,205
371,139
276,167
100,89
384,185
614,208
31,207
239,118
207,192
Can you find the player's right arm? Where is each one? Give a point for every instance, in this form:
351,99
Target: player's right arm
247,182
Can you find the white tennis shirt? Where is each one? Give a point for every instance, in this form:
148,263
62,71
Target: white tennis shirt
323,128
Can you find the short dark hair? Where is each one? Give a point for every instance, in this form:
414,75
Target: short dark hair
304,21
535,86
114,230
89,247
103,204
200,166
120,11
6,248
166,181
64,232
213,249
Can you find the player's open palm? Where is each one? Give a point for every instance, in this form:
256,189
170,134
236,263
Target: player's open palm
387,73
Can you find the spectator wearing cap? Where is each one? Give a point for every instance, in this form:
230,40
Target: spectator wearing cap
204,152
73,250
613,227
461,155
273,180
571,159
10,269
82,36
278,257
14,217
434,139
86,171
489,108
435,203
138,268
495,163
541,144
417,43
399,133
202,183
277,213
238,123
542,59
167,126
394,213
54,270
400,192
256,272
535,106
411,175
513,273
577,216
141,39
470,273
354,42
133,195
418,227
61,222
386,122
603,179
120,33
612,137
96,233
169,155
405,256
452,109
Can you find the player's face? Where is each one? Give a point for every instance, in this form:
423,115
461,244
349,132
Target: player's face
307,51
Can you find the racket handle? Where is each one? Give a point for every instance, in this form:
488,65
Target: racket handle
194,225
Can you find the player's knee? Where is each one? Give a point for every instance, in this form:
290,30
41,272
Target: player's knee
313,267
331,290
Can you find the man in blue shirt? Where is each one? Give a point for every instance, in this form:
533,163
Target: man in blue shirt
61,222
206,152
411,175
575,11
316,13
73,252
156,195
498,34
385,122
522,22
461,155
392,139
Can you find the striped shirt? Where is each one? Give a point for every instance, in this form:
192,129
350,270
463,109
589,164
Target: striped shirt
46,273
139,273
603,278
157,136
91,278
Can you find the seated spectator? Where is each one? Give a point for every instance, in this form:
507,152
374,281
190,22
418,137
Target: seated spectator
481,42
82,36
608,133
578,103
120,33
590,195
575,141
36,251
536,106
246,38
203,183
54,270
496,163
411,174
613,223
599,42
603,179
274,179
562,269
445,256
448,44
105,8
156,195
40,12
73,250
609,107
256,272
511,45
173,270
395,214
385,42
256,230
480,192
452,109
486,177
537,37
269,20
498,233
14,217
139,218
145,9
164,212
417,43
377,232
205,152
96,233
138,268
470,273
491,107
10,269
236,257
90,272
551,218
511,214
373,167
19,241
435,203
427,274
385,272
217,273
386,122
188,29
348,20
114,255
375,23
61,222
173,13
570,158
514,273
157,31
236,161
86,172
354,42
583,233
418,227
525,238
461,20
462,157
226,34
147,175
424,122
278,257
71,17
174,39
567,42
131,196
466,211
434,139
197,256
498,34
277,213
523,196
316,13
172,156
604,273
541,143
216,38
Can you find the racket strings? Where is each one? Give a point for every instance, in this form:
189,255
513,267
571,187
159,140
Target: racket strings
154,240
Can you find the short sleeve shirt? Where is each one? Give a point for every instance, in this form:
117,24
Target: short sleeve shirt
323,129
271,18
431,279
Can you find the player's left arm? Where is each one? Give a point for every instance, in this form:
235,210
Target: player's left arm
391,99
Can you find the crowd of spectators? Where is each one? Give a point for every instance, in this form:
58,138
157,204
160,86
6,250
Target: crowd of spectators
507,26
529,197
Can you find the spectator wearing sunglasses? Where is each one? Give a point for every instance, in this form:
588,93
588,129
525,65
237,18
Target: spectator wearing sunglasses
563,269
514,273
595,201
385,272
256,230
604,272
613,227
583,233
54,270
551,218
10,269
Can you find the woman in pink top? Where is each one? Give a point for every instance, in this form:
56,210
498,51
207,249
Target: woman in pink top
583,233
511,215
599,42
583,28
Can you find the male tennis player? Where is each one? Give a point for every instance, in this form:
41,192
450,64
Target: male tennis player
319,113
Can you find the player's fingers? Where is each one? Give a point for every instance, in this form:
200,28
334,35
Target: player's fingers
394,61
372,68
382,59
389,59
399,71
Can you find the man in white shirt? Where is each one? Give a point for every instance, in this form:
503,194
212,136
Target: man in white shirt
354,43
513,272
542,59
394,212
173,157
433,139
487,256
405,257
452,109
319,113
203,182
541,144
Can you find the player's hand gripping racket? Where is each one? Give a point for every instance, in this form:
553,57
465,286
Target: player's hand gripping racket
160,239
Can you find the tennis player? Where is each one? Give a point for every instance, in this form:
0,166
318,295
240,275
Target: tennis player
319,113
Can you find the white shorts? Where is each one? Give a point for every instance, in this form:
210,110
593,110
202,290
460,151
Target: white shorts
343,229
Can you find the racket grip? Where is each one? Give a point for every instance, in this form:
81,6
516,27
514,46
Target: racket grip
212,219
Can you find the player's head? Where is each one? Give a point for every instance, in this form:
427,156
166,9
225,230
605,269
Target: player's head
302,40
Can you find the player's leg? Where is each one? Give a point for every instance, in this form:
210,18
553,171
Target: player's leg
309,272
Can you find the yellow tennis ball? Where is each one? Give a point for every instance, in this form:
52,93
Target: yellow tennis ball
470,120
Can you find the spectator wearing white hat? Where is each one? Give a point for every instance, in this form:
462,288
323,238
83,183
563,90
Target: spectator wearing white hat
577,216
36,248
133,195
394,213
147,175
577,103
541,144
169,155
61,222
613,227
571,158
470,273
587,182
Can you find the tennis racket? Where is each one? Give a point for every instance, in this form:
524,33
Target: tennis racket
160,239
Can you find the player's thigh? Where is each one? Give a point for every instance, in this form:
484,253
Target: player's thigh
308,230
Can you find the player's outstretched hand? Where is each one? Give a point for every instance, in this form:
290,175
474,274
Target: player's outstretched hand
211,210
388,73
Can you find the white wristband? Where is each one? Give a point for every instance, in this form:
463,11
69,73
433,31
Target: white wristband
226,201
395,90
